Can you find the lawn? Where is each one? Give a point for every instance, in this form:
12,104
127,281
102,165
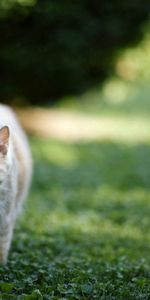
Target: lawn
85,229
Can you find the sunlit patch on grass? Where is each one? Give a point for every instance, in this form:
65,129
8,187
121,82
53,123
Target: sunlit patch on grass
116,91
66,155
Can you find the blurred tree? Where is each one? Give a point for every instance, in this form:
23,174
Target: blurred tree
49,48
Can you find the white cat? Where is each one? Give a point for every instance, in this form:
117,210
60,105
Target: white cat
15,175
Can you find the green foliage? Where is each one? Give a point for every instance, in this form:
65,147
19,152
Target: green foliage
7,5
52,48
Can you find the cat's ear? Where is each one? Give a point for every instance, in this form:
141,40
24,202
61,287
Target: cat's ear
4,139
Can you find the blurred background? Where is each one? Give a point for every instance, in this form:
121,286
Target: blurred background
50,49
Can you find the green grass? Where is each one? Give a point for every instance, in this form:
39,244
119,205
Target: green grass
85,229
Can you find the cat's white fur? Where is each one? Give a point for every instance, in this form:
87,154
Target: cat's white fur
15,175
